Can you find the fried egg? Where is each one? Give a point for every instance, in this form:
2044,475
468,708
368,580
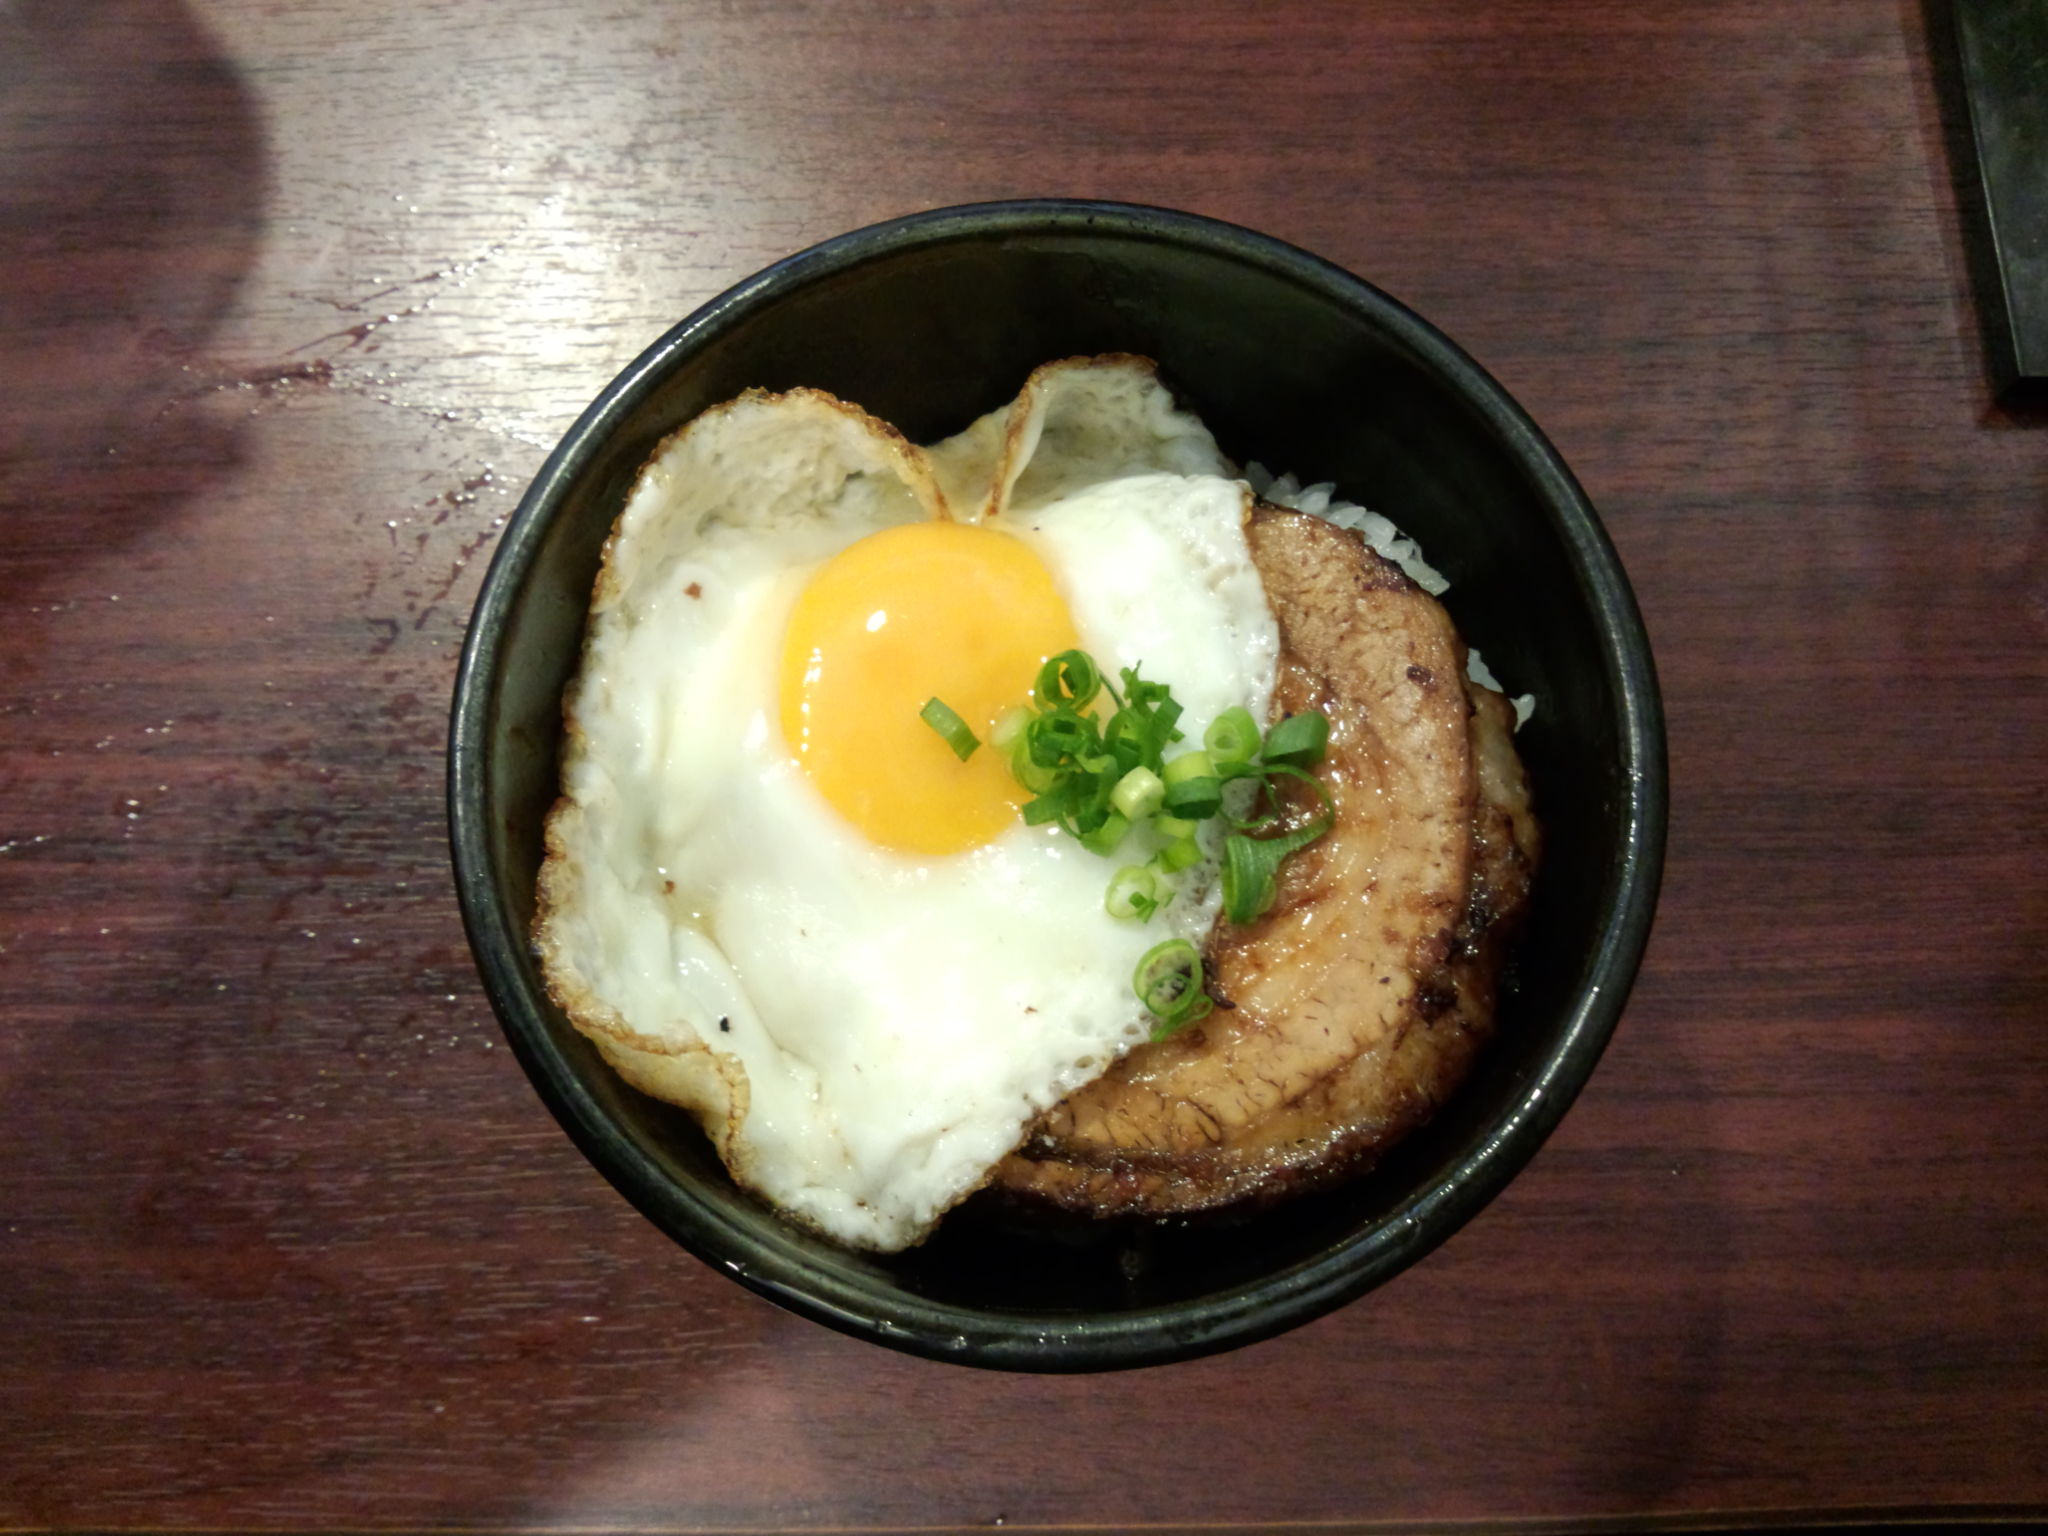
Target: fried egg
772,894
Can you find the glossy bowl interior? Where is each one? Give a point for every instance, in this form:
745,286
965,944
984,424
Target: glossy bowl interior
928,322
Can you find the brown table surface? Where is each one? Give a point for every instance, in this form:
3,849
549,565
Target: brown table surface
293,300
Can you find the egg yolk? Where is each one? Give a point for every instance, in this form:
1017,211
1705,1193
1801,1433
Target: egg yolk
953,611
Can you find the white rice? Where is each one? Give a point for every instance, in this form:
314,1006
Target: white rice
1385,540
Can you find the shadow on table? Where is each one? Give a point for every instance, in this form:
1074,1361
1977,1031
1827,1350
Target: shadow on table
132,183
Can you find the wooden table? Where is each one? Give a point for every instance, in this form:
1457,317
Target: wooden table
294,298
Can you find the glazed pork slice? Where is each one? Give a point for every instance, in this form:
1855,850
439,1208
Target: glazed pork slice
1352,1008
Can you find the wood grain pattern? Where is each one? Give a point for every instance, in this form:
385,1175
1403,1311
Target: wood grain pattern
293,298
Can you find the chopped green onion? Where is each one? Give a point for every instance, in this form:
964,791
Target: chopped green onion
1194,799
1167,973
1248,878
1165,1029
1009,728
1274,809
1099,776
1168,982
1192,789
1232,737
1047,807
1143,725
1298,741
1034,778
1096,793
1106,835
1069,678
1251,867
940,718
1139,793
1261,820
1137,891
1059,737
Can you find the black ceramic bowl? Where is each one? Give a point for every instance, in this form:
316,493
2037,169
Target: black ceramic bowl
928,322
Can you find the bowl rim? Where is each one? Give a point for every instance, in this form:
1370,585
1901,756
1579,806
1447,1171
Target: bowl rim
1040,1341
